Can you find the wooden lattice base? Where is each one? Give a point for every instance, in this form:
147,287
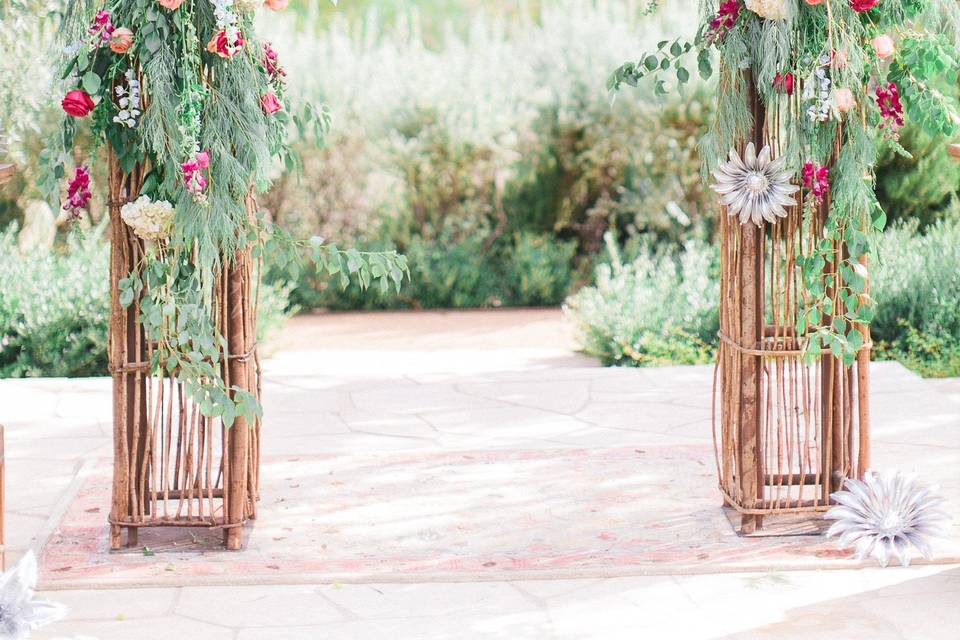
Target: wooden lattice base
786,432
172,466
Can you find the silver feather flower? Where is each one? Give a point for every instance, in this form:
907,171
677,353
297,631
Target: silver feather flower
884,515
754,187
20,610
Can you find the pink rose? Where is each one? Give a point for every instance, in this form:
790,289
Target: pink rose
203,159
121,40
863,5
276,5
172,5
226,44
270,103
77,103
883,46
843,100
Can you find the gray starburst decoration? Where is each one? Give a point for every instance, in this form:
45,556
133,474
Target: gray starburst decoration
884,515
20,610
754,187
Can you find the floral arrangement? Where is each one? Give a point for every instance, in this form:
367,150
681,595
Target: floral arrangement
839,78
192,108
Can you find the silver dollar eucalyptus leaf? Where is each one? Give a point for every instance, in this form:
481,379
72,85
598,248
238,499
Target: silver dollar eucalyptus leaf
755,188
20,610
884,515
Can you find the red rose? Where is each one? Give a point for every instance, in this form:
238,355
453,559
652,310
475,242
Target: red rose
863,5
77,103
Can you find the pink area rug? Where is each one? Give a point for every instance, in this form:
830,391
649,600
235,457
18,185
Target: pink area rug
446,516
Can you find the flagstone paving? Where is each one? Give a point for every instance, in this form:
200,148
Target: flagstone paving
411,451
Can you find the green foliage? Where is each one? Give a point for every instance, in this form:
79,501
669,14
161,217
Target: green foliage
55,308
455,268
661,308
917,282
919,187
929,354
538,272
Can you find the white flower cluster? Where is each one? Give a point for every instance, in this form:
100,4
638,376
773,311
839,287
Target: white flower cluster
769,9
129,101
149,220
248,6
818,89
223,12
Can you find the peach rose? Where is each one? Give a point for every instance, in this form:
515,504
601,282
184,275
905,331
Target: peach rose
843,100
226,43
883,46
121,40
172,5
814,3
276,5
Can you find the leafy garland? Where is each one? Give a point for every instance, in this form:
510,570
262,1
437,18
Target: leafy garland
843,76
182,93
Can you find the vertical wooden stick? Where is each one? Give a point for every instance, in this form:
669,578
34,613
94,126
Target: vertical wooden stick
863,394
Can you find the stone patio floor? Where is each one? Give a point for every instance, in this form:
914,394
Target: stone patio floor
389,401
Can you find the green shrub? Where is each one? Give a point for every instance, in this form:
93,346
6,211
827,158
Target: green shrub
661,308
457,269
538,271
55,308
917,281
917,285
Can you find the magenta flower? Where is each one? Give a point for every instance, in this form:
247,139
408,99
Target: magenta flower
78,192
271,62
193,178
727,15
102,28
816,179
891,110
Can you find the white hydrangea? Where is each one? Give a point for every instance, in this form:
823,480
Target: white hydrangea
769,9
149,220
247,5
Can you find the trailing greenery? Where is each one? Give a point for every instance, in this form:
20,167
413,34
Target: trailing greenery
55,308
661,307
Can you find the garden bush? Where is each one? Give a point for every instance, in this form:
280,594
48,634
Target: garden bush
918,289
661,308
55,308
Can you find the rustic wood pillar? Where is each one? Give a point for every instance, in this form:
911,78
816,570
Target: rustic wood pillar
751,331
127,357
